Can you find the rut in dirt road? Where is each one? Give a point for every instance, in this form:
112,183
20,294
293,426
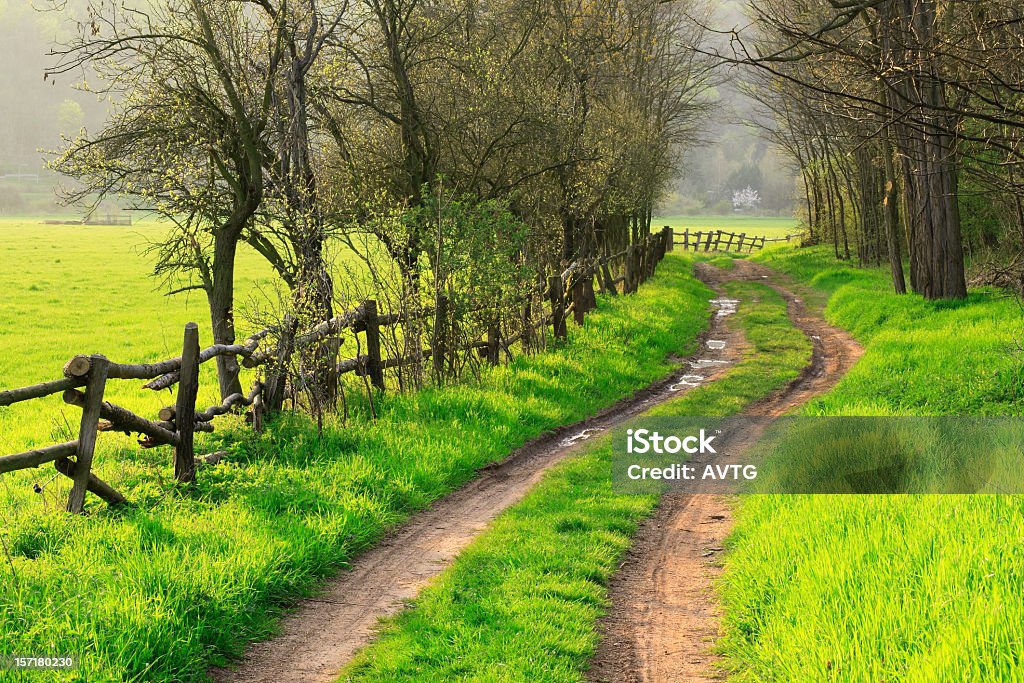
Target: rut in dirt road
664,618
324,633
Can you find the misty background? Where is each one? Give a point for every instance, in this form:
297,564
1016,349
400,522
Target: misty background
35,113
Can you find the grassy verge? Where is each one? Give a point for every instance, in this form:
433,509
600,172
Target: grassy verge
521,603
888,588
162,589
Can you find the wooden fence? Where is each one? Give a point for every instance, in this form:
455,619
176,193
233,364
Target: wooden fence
715,240
86,377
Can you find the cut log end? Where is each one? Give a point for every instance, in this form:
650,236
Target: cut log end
74,397
77,367
166,414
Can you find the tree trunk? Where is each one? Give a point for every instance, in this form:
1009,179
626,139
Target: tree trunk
221,298
924,140
891,217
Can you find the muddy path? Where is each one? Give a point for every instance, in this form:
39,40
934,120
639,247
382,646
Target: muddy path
323,633
664,618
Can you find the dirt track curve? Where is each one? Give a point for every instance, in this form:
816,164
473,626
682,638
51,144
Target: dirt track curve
664,619
324,633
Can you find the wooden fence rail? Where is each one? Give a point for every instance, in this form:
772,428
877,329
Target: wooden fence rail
572,292
723,240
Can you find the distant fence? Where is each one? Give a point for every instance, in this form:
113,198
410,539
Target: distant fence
716,240
94,220
176,425
109,219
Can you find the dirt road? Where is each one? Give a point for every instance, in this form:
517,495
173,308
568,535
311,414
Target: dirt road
324,633
664,618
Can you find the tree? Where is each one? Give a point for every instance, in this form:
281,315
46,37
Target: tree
932,86
193,85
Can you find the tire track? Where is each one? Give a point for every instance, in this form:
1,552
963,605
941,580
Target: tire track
664,618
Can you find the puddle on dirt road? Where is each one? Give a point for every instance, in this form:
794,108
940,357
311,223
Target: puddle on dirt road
725,306
687,381
581,436
715,344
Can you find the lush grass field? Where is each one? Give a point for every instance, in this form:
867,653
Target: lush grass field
182,579
86,289
521,603
752,225
888,588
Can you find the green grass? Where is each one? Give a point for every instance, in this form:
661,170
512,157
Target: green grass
522,601
923,357
83,290
76,289
181,579
888,588
752,225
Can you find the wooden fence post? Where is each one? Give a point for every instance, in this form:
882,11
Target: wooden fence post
607,281
527,334
641,264
257,411
277,373
628,284
670,238
438,350
578,298
333,348
87,430
493,339
589,297
374,366
707,243
739,247
718,239
185,406
557,297
686,239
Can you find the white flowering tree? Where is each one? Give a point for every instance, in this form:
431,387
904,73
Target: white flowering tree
746,199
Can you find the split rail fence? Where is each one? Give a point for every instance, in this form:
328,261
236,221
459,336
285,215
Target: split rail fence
86,377
716,240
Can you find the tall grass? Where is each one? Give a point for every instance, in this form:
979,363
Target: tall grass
888,588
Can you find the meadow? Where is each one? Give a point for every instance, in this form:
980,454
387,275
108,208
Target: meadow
183,578
72,289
